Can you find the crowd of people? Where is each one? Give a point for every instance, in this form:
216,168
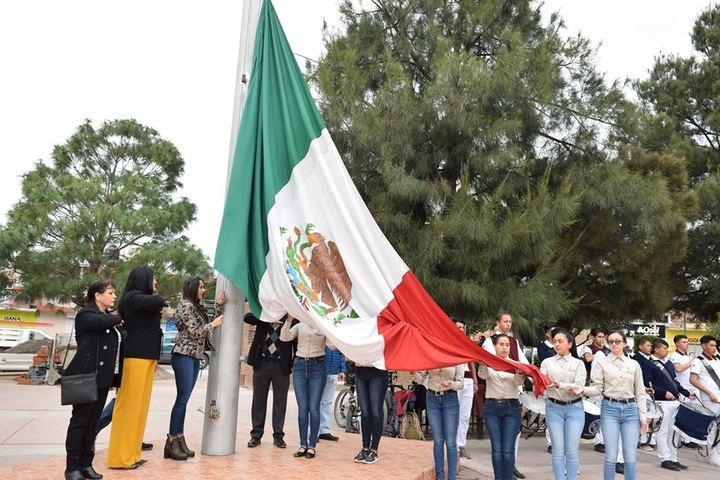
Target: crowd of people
122,348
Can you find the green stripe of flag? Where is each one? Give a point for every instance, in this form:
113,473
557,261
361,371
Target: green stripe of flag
279,122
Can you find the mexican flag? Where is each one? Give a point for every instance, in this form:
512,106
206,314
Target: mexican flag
297,237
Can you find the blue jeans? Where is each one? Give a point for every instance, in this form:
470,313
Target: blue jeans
105,416
502,419
371,384
620,420
444,415
186,370
309,382
565,424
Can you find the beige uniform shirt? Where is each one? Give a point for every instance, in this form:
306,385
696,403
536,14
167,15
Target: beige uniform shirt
619,378
434,378
566,371
501,385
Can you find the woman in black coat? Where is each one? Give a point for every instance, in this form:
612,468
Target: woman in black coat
98,350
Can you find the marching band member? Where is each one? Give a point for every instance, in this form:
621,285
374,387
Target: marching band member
704,376
667,393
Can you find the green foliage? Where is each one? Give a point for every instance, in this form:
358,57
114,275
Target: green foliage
490,152
682,95
105,205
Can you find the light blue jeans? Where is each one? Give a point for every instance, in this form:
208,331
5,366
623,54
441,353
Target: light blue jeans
326,403
565,424
620,420
443,412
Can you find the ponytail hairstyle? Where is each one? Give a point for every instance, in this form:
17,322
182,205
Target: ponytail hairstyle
570,338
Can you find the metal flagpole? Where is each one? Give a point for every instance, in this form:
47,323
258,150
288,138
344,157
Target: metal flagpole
221,398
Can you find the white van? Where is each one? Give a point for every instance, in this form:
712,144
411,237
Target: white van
9,337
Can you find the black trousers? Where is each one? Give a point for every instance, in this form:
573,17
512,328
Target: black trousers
80,440
264,375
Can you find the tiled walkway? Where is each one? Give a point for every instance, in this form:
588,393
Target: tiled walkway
400,459
33,426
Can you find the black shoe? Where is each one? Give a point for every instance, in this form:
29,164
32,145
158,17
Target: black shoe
600,447
300,452
74,475
134,466
371,457
146,446
518,474
328,436
310,453
549,448
89,472
620,468
682,467
360,457
254,442
670,466
279,442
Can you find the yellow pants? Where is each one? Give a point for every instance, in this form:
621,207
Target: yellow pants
130,413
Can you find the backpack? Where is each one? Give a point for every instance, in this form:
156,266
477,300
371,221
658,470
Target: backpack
410,427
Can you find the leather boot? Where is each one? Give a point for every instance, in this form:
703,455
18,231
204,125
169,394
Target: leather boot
90,473
184,447
74,475
172,449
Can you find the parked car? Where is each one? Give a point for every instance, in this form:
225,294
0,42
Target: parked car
167,346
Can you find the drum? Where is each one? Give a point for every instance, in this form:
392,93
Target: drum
592,420
654,415
533,413
695,422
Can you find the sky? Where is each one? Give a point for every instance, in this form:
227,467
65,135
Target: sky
171,65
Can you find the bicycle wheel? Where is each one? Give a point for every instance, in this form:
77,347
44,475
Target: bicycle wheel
388,419
342,402
350,420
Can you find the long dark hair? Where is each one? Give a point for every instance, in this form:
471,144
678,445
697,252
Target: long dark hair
140,279
190,293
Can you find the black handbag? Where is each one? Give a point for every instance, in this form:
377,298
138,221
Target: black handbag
81,388
78,389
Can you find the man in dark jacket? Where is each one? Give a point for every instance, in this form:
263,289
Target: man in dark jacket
667,391
272,361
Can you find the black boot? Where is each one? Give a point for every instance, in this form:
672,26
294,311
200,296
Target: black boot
74,475
89,472
172,449
184,447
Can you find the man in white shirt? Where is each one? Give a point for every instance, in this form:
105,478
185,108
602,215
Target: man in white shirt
465,400
503,324
683,362
703,374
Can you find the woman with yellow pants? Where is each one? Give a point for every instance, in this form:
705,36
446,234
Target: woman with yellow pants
140,308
